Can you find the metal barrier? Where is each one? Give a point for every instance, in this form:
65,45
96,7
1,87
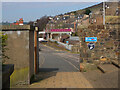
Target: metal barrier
68,47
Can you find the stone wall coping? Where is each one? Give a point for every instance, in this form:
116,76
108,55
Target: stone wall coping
17,27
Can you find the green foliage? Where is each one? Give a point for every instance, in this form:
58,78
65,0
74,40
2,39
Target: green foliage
75,34
56,42
87,11
75,12
19,74
3,38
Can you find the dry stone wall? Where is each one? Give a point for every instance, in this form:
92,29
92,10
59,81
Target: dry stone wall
106,47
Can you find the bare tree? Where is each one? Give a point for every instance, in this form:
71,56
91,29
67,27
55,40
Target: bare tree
41,23
30,23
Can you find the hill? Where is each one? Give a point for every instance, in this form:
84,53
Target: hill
94,8
110,8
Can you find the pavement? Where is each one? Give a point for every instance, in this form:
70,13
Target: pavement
57,61
59,69
103,80
61,80
55,72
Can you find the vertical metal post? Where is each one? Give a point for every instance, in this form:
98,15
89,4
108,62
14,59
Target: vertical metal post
76,24
35,53
79,51
103,12
35,64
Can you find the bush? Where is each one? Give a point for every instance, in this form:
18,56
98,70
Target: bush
3,38
87,12
75,34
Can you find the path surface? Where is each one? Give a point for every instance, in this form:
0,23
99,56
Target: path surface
59,69
61,80
52,60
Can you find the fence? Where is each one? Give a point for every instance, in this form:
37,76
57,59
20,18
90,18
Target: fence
74,38
68,47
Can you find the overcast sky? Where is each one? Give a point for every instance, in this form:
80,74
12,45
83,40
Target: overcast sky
30,11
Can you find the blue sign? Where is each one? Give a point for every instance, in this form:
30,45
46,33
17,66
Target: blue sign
90,39
91,46
67,42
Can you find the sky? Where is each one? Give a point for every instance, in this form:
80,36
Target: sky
31,11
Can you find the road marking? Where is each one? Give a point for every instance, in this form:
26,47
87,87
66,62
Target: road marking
51,48
48,47
62,57
71,64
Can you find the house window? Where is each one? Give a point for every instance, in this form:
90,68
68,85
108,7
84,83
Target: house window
95,20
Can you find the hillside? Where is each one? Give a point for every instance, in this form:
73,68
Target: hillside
94,8
110,10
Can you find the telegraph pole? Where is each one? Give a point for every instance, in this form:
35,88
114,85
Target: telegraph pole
103,12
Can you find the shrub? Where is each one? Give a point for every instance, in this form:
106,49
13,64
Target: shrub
87,12
3,38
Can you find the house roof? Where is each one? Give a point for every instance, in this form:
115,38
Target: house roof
60,30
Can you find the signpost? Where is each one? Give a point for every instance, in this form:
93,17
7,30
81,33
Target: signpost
91,45
90,39
67,42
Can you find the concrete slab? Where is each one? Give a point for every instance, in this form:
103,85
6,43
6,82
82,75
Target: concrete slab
107,68
62,80
115,62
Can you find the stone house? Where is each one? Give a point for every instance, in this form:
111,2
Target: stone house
72,15
96,19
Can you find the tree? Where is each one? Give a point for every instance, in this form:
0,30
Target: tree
30,23
3,48
75,12
41,23
87,11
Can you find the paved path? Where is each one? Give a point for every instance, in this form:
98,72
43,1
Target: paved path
57,61
59,69
103,80
61,80
55,72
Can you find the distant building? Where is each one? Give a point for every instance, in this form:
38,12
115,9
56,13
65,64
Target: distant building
20,22
72,15
112,8
96,19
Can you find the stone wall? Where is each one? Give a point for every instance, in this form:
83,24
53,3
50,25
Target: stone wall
20,44
106,47
75,48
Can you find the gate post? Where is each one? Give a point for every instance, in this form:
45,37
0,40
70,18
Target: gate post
36,51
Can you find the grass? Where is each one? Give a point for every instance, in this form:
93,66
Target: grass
112,19
57,46
19,75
